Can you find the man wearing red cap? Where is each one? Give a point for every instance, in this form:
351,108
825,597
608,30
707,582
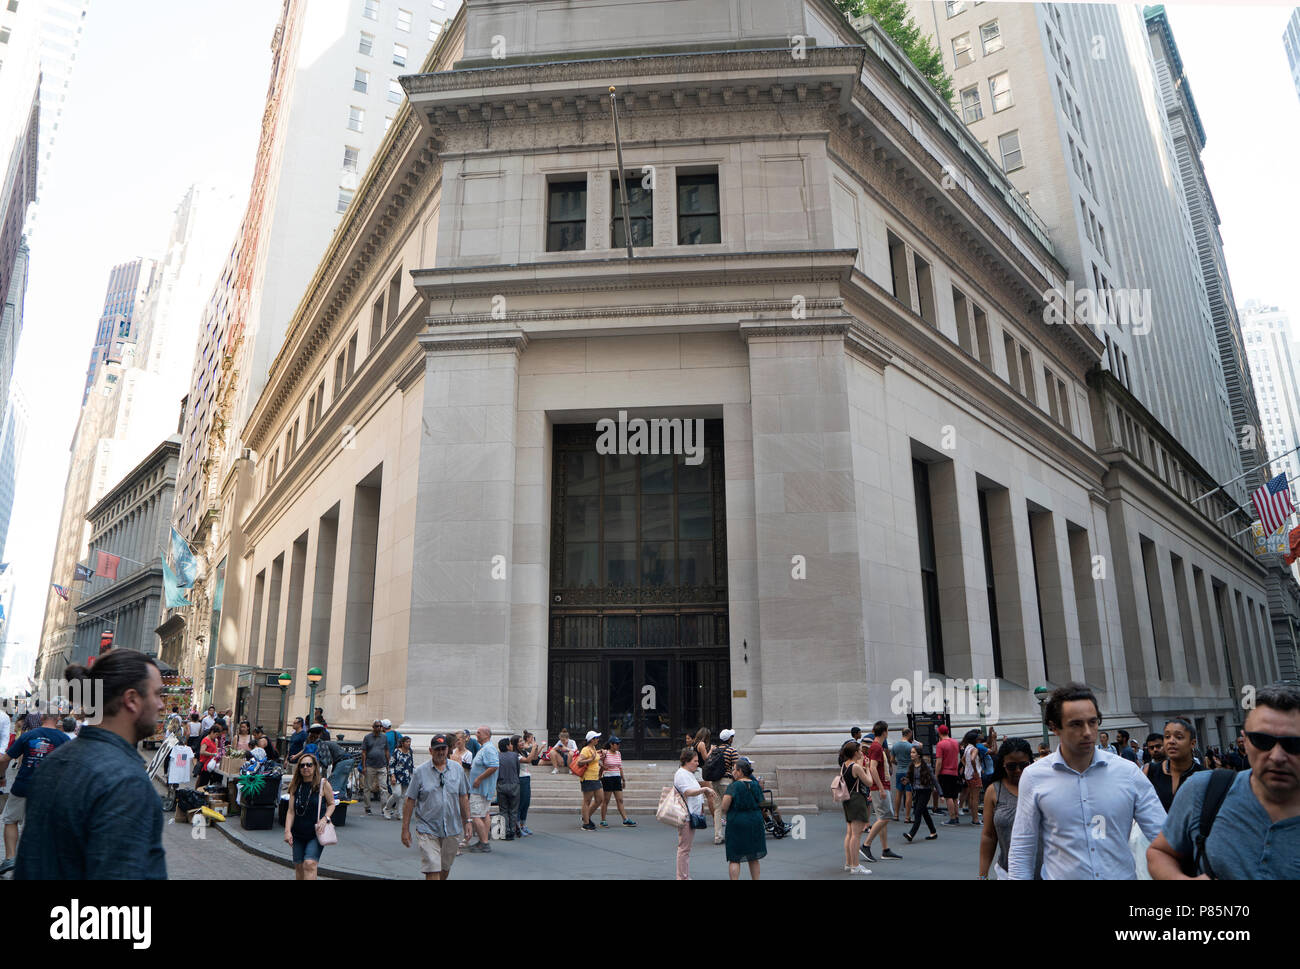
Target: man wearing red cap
947,757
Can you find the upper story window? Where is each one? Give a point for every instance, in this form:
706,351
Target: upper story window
955,7
1000,91
1009,148
403,19
699,220
344,200
367,44
991,37
356,118
361,81
395,92
399,55
962,52
566,215
351,158
639,209
971,109
370,9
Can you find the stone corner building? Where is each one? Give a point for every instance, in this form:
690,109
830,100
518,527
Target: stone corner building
903,470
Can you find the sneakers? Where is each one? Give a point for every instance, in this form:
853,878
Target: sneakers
526,832
858,871
865,851
889,853
604,823
588,827
629,823
7,866
480,848
555,770
952,821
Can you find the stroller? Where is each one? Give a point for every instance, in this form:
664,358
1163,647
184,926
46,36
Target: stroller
772,821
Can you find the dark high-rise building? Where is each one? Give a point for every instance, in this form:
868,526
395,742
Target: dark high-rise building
128,285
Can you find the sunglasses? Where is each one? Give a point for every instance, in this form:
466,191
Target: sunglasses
1011,765
1265,742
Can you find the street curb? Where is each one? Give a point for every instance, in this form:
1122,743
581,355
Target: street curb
339,873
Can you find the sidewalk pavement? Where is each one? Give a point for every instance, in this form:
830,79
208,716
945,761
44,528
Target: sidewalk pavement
371,848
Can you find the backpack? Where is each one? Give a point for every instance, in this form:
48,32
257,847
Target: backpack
716,765
1220,782
839,790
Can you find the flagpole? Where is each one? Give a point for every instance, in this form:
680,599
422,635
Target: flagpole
1242,508
622,179
1244,473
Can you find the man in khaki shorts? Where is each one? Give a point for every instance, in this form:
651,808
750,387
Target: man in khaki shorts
439,798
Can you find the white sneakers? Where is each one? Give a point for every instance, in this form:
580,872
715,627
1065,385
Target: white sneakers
859,870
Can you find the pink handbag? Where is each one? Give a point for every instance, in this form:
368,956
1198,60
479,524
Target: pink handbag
326,835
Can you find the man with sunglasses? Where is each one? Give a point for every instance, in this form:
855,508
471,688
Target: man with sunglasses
1255,833
439,798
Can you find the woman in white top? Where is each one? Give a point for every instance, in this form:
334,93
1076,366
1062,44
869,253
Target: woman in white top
694,793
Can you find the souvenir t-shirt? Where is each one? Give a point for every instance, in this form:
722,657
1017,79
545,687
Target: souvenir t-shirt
33,747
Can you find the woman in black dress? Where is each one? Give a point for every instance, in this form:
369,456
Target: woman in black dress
745,835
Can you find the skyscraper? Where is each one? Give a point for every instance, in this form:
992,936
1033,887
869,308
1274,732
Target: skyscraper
1066,98
118,331
332,95
13,437
1274,355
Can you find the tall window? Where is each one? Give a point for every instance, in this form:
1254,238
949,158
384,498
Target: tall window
566,216
394,297
1009,148
344,200
356,119
955,7
929,565
1000,91
991,37
376,323
367,44
971,109
351,158
639,209
395,92
435,29
371,9
399,55
403,19
361,81
699,220
988,579
962,52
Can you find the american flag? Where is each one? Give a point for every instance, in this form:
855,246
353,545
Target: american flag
1273,504
61,591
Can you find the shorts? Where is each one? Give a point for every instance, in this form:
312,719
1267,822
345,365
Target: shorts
436,854
15,810
591,785
948,785
900,783
478,806
974,783
880,801
857,808
309,850
614,783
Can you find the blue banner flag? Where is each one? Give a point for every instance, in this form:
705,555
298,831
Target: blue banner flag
187,569
171,590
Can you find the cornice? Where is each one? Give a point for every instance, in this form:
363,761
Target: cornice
477,340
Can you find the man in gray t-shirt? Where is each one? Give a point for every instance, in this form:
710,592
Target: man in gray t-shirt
438,797
901,752
374,762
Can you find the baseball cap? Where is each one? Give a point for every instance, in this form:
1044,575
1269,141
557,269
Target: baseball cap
439,740
614,740
727,734
386,723
943,730
593,734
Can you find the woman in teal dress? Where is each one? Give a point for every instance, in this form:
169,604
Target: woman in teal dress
746,837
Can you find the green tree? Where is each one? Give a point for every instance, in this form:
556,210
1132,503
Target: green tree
896,21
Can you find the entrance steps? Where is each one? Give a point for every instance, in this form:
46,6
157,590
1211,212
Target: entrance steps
643,780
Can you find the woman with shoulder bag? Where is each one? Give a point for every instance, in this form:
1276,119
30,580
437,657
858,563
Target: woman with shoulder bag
694,793
306,826
857,809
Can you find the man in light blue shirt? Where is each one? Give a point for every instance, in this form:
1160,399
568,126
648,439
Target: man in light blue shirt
1080,801
483,786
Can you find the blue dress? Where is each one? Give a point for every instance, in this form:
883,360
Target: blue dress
746,837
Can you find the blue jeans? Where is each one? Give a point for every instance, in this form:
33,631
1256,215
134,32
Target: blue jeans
525,796
309,850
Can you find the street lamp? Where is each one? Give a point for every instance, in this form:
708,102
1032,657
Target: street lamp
314,676
285,680
982,704
1040,694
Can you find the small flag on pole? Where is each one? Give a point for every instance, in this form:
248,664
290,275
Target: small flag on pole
60,591
107,565
171,591
83,573
1273,504
183,559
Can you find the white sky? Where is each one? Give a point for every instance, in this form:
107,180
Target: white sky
166,94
